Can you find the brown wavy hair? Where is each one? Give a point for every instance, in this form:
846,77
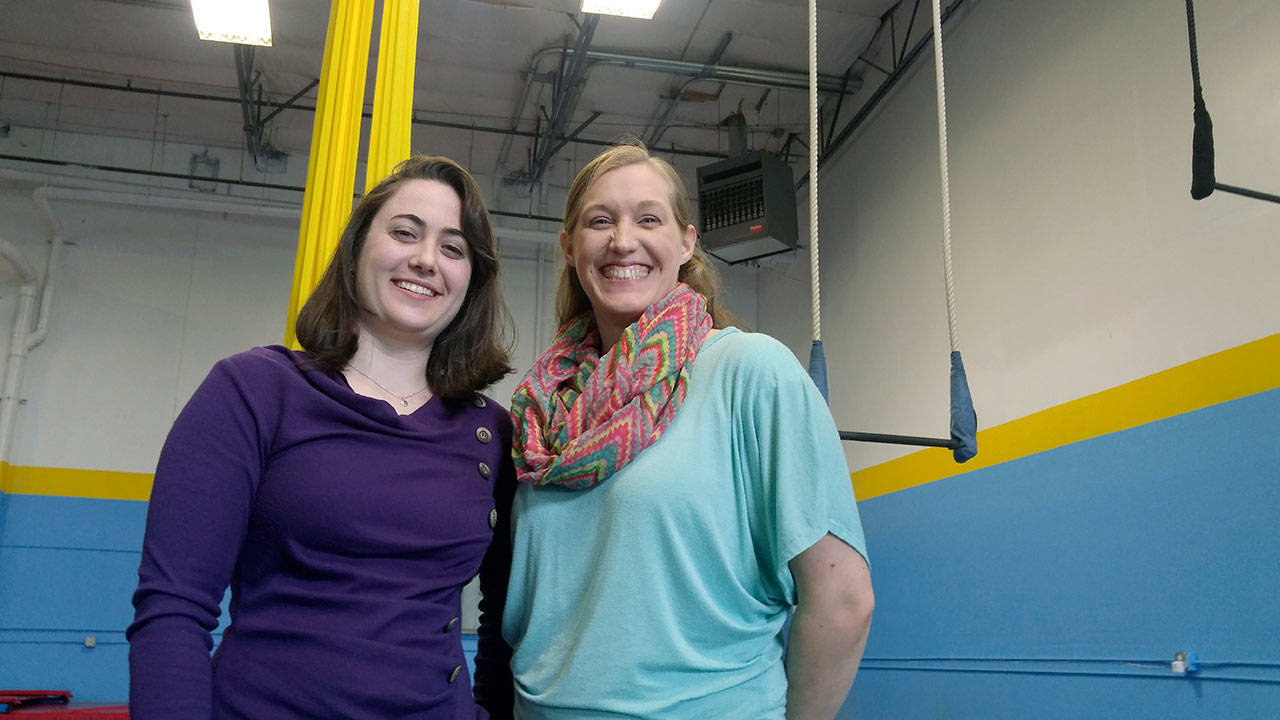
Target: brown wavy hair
474,351
698,272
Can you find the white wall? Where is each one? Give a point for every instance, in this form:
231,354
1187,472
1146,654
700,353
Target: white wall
149,298
146,303
1080,260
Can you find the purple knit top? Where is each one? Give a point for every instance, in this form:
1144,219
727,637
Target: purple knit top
345,533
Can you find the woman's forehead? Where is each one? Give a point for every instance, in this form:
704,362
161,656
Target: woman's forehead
632,184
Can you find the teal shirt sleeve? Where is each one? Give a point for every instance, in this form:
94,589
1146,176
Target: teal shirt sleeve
799,487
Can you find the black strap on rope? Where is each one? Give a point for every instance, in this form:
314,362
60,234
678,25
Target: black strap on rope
1203,182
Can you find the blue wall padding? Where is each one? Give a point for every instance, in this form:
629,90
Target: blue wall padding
964,421
1132,545
960,696
818,367
68,568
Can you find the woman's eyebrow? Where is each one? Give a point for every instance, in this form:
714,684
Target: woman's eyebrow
410,217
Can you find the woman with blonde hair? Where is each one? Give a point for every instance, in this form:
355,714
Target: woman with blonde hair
682,487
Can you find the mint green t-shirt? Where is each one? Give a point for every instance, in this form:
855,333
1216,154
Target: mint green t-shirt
662,591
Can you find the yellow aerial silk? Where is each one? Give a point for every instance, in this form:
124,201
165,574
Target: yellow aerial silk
335,138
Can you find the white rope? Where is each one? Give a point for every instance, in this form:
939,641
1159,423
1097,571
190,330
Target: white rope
952,332
815,285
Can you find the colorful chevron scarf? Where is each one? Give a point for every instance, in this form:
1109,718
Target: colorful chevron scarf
580,417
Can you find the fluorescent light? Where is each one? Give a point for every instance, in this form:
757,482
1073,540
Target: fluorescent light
247,22
643,9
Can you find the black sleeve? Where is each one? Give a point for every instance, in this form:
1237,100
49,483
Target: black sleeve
493,684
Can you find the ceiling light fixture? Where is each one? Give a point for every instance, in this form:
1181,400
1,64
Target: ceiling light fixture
643,9
247,22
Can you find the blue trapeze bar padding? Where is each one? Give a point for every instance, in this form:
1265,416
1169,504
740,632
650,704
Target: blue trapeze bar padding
964,421
818,368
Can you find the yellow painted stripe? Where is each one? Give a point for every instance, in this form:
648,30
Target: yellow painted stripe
1239,372
1228,375
69,482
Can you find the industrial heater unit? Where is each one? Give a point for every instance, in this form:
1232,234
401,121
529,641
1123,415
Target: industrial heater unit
748,207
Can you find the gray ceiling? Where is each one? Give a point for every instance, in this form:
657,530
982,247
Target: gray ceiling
484,76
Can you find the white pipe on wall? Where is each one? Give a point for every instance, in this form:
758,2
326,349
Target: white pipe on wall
23,338
17,342
41,199
231,207
88,190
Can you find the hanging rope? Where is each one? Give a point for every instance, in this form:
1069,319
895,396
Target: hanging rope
952,332
817,358
815,283
964,421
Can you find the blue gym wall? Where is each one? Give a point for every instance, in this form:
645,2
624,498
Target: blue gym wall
1060,580
1061,584
1055,584
68,567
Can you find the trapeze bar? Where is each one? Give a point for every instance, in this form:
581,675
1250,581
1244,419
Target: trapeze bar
899,439
1247,192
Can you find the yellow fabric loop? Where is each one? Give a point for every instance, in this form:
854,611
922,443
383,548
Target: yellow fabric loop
335,141
389,133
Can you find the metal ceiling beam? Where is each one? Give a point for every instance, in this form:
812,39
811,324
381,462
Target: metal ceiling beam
658,128
738,75
266,157
223,181
568,89
757,77
292,105
876,97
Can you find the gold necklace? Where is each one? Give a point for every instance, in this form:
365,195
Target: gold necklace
404,399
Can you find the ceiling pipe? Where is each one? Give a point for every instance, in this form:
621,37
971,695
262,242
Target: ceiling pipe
899,71
568,90
90,190
657,129
701,71
290,105
737,75
167,202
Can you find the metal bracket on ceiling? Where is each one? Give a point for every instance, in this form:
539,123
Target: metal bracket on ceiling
266,158
659,127
567,90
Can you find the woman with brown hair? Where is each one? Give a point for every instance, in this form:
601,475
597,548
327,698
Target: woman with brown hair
345,493
683,486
